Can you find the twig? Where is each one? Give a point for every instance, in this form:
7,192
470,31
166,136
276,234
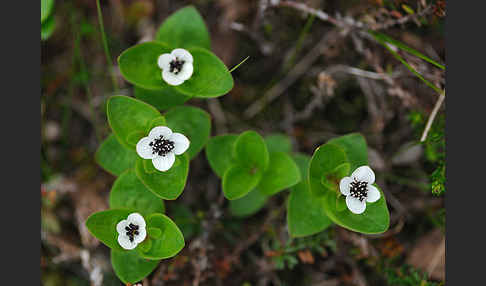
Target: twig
291,77
265,47
350,22
377,121
318,13
314,104
298,70
217,111
403,20
363,73
432,116
255,236
395,88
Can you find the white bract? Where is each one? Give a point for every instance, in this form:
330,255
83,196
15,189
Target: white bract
131,231
358,189
161,146
177,66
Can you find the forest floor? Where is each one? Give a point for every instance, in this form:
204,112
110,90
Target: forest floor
309,78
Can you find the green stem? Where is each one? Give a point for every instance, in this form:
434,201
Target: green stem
235,67
300,41
78,57
105,45
83,70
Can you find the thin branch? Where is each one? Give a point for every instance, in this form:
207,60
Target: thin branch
314,104
350,22
280,87
217,111
432,116
405,19
318,13
361,73
265,46
291,77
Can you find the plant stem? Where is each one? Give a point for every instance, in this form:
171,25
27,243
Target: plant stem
105,45
84,71
300,41
235,67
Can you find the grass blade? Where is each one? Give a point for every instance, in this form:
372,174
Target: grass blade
383,39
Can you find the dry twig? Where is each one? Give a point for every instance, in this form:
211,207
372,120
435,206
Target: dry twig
432,116
291,77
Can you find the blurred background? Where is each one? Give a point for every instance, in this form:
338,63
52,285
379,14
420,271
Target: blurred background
308,77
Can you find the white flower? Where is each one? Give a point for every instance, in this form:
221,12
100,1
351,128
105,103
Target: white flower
131,231
358,189
161,145
176,67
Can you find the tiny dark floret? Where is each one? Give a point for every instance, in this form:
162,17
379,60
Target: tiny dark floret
359,190
132,230
161,146
176,66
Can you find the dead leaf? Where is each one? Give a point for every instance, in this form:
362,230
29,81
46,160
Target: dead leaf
428,254
396,14
87,200
306,256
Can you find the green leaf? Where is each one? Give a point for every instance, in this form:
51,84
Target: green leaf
129,192
127,116
354,146
375,219
340,203
219,152
211,77
46,9
48,27
113,157
341,171
324,162
162,99
251,151
240,180
278,143
167,185
154,232
130,267
408,9
249,204
194,123
102,225
305,212
145,245
184,29
282,173
135,136
328,165
169,243
138,65
159,121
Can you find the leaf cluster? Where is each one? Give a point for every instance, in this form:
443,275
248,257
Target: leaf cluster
139,187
